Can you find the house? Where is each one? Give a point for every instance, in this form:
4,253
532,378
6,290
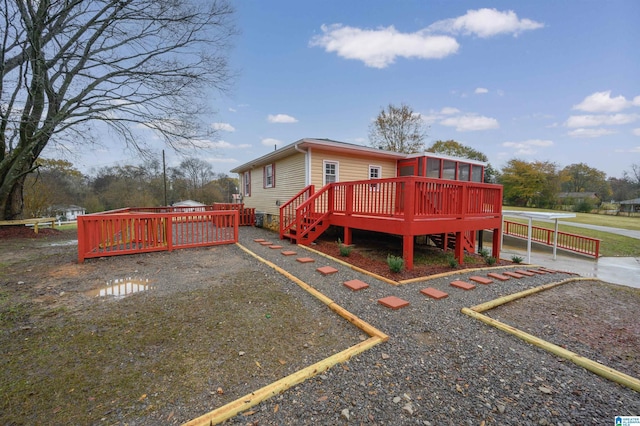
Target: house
189,205
67,213
570,199
630,206
371,189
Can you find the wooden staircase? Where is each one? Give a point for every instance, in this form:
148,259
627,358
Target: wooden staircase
468,241
306,216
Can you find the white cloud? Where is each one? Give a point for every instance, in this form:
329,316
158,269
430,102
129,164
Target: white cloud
636,131
590,133
222,160
601,120
223,126
270,142
486,23
449,111
481,90
527,147
281,118
470,122
603,102
232,109
379,48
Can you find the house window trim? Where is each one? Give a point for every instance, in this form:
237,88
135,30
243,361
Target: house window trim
375,186
324,170
246,184
273,176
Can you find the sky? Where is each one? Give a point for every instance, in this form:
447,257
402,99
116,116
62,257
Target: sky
539,80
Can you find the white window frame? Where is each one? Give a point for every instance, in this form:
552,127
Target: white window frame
325,163
247,183
378,169
269,178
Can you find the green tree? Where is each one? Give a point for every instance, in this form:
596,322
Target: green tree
456,149
52,183
66,64
398,129
530,184
580,178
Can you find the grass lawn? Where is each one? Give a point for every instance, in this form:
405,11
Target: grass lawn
611,245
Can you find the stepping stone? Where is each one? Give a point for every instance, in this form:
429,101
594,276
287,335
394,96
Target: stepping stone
305,260
434,293
266,243
548,271
275,246
513,274
535,271
523,272
327,270
393,302
498,276
463,285
356,285
259,240
288,252
480,280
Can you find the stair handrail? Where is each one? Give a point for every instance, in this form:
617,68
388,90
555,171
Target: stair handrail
288,220
301,231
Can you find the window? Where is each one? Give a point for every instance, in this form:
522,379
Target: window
375,172
476,174
433,168
269,176
247,184
449,170
463,171
330,172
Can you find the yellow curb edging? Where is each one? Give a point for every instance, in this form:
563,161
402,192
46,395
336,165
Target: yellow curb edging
241,404
461,271
593,366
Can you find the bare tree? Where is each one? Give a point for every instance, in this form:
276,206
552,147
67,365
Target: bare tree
128,63
398,129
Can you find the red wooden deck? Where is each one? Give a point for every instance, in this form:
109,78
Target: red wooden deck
407,206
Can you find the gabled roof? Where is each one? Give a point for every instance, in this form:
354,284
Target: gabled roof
336,146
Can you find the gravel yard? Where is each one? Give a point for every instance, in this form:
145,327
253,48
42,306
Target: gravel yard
438,367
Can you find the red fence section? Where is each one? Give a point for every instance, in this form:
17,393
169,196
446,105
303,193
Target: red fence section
143,230
572,242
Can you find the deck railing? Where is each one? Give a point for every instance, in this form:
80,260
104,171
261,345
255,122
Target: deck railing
572,242
131,231
288,209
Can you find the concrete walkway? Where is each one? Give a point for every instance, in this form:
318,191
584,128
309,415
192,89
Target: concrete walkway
609,229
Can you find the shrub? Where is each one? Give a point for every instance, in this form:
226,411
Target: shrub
396,263
516,259
484,253
344,250
452,261
490,260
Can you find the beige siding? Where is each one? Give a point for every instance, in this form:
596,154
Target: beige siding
350,167
290,179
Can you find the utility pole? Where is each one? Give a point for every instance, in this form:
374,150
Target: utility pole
164,177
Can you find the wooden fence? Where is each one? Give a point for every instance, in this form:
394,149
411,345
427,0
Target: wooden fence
572,242
143,230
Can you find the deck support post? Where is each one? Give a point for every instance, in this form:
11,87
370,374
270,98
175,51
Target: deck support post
459,248
407,251
348,235
497,238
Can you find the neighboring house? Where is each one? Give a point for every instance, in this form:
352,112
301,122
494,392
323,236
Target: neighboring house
575,198
312,184
70,212
630,206
189,205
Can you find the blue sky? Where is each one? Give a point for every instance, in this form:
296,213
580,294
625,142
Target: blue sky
537,80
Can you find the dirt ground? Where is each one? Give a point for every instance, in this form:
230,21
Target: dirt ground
197,322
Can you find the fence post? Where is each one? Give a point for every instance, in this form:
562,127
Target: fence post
169,231
81,239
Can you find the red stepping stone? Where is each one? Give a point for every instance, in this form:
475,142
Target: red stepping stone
305,260
513,274
535,271
275,246
498,276
327,270
356,285
393,302
266,243
288,252
523,272
259,240
434,293
548,271
480,280
463,285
